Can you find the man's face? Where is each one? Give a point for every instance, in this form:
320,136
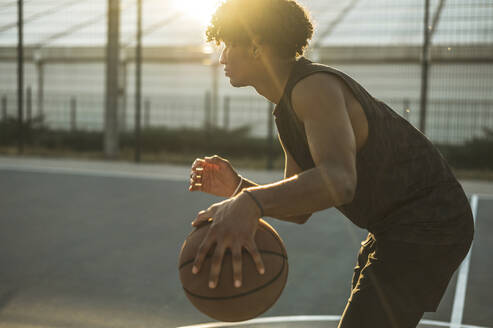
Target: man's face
239,64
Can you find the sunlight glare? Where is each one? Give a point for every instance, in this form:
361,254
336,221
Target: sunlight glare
199,10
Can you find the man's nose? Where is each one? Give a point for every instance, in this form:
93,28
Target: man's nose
222,58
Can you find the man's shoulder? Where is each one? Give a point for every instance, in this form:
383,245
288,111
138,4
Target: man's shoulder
317,81
312,77
317,86
316,91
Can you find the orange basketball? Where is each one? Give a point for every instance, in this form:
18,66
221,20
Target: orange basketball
225,302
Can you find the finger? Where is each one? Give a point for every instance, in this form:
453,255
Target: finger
194,185
196,173
198,169
202,216
236,253
216,263
216,158
212,162
199,162
201,253
252,249
196,177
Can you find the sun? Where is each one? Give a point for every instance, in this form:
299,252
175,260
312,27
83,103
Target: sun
199,10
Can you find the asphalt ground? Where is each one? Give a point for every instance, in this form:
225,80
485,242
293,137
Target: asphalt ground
96,245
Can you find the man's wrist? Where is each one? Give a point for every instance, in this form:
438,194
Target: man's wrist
253,200
238,188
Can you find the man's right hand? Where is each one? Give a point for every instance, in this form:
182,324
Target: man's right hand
213,175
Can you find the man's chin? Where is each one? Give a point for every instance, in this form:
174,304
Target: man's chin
236,84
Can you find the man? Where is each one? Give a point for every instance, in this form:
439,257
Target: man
345,149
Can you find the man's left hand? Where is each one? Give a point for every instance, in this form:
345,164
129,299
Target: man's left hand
234,223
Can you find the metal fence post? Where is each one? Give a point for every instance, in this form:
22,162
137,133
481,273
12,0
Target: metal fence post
226,104
29,105
20,75
138,80
425,61
40,96
4,108
486,119
447,128
111,140
122,124
73,114
270,137
207,109
214,95
147,113
457,124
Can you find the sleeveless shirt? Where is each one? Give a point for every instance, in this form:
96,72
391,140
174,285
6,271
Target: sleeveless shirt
405,189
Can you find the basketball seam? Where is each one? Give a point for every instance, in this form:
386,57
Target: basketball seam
267,228
209,256
218,298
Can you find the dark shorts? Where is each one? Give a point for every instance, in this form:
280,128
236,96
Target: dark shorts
394,282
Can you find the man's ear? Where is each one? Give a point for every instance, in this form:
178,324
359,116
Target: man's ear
255,49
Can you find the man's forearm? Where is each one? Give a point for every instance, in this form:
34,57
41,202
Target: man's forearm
310,191
245,183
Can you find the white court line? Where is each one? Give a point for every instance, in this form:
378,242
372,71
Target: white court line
305,318
92,172
293,318
460,290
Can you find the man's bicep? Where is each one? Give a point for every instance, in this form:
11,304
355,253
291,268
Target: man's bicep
320,104
291,168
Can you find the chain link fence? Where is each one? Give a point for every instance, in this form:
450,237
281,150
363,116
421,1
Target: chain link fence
379,43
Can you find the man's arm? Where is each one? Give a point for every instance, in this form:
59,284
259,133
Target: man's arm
290,168
319,103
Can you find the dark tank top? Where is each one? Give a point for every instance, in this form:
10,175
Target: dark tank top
405,189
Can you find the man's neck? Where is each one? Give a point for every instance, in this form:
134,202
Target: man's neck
271,85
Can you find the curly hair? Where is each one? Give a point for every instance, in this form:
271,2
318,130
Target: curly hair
283,24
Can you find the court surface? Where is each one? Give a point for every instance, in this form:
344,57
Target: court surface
95,244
